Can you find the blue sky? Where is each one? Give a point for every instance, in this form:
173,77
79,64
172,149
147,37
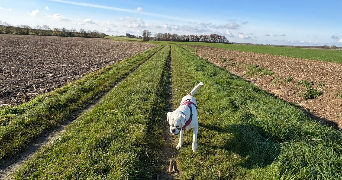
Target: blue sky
290,22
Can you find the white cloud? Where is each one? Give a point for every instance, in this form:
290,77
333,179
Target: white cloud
5,9
110,30
296,42
193,29
34,13
134,23
47,8
59,17
89,21
79,23
340,41
242,36
229,34
139,9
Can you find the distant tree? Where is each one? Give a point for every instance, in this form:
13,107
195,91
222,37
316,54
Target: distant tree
56,32
37,29
146,35
25,29
7,28
73,32
47,30
83,33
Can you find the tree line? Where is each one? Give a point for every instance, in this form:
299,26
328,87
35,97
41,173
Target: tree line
212,38
45,30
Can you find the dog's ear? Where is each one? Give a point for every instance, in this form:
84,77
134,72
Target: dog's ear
169,116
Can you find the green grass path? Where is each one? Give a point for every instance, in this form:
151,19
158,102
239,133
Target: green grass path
245,133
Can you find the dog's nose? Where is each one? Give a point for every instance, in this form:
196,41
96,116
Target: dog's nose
173,130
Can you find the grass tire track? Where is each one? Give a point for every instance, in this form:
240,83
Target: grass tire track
119,138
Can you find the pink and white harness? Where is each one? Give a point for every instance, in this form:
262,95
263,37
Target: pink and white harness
188,103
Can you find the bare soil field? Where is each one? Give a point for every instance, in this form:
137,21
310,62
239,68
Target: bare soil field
286,79
31,65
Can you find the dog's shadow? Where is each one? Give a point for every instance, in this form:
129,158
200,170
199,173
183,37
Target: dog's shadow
249,141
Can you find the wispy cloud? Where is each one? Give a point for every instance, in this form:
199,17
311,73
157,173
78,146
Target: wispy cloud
5,9
334,37
109,30
229,34
89,21
138,10
242,36
59,17
47,8
232,25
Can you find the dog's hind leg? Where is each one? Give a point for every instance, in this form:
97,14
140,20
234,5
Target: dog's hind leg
194,139
180,140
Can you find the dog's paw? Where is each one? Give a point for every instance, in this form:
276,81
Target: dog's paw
178,147
194,147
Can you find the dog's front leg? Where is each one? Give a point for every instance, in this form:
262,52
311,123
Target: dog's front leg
194,139
180,140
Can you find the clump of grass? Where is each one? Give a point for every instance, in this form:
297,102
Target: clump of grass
289,79
306,84
321,85
339,94
226,59
256,70
310,93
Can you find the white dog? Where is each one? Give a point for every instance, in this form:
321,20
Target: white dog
185,117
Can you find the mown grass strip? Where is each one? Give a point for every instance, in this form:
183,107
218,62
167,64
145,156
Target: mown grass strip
119,138
245,133
19,125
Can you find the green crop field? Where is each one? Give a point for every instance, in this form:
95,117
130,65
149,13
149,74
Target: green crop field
117,38
244,133
313,54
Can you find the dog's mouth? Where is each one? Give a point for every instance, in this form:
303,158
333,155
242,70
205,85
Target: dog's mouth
174,133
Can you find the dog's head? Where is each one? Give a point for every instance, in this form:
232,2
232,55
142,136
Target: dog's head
176,122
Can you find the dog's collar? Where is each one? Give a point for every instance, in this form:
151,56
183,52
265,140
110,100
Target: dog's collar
188,103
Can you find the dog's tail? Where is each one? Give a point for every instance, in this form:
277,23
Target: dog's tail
196,88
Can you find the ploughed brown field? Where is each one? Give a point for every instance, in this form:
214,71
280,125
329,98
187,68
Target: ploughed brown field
31,65
326,77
